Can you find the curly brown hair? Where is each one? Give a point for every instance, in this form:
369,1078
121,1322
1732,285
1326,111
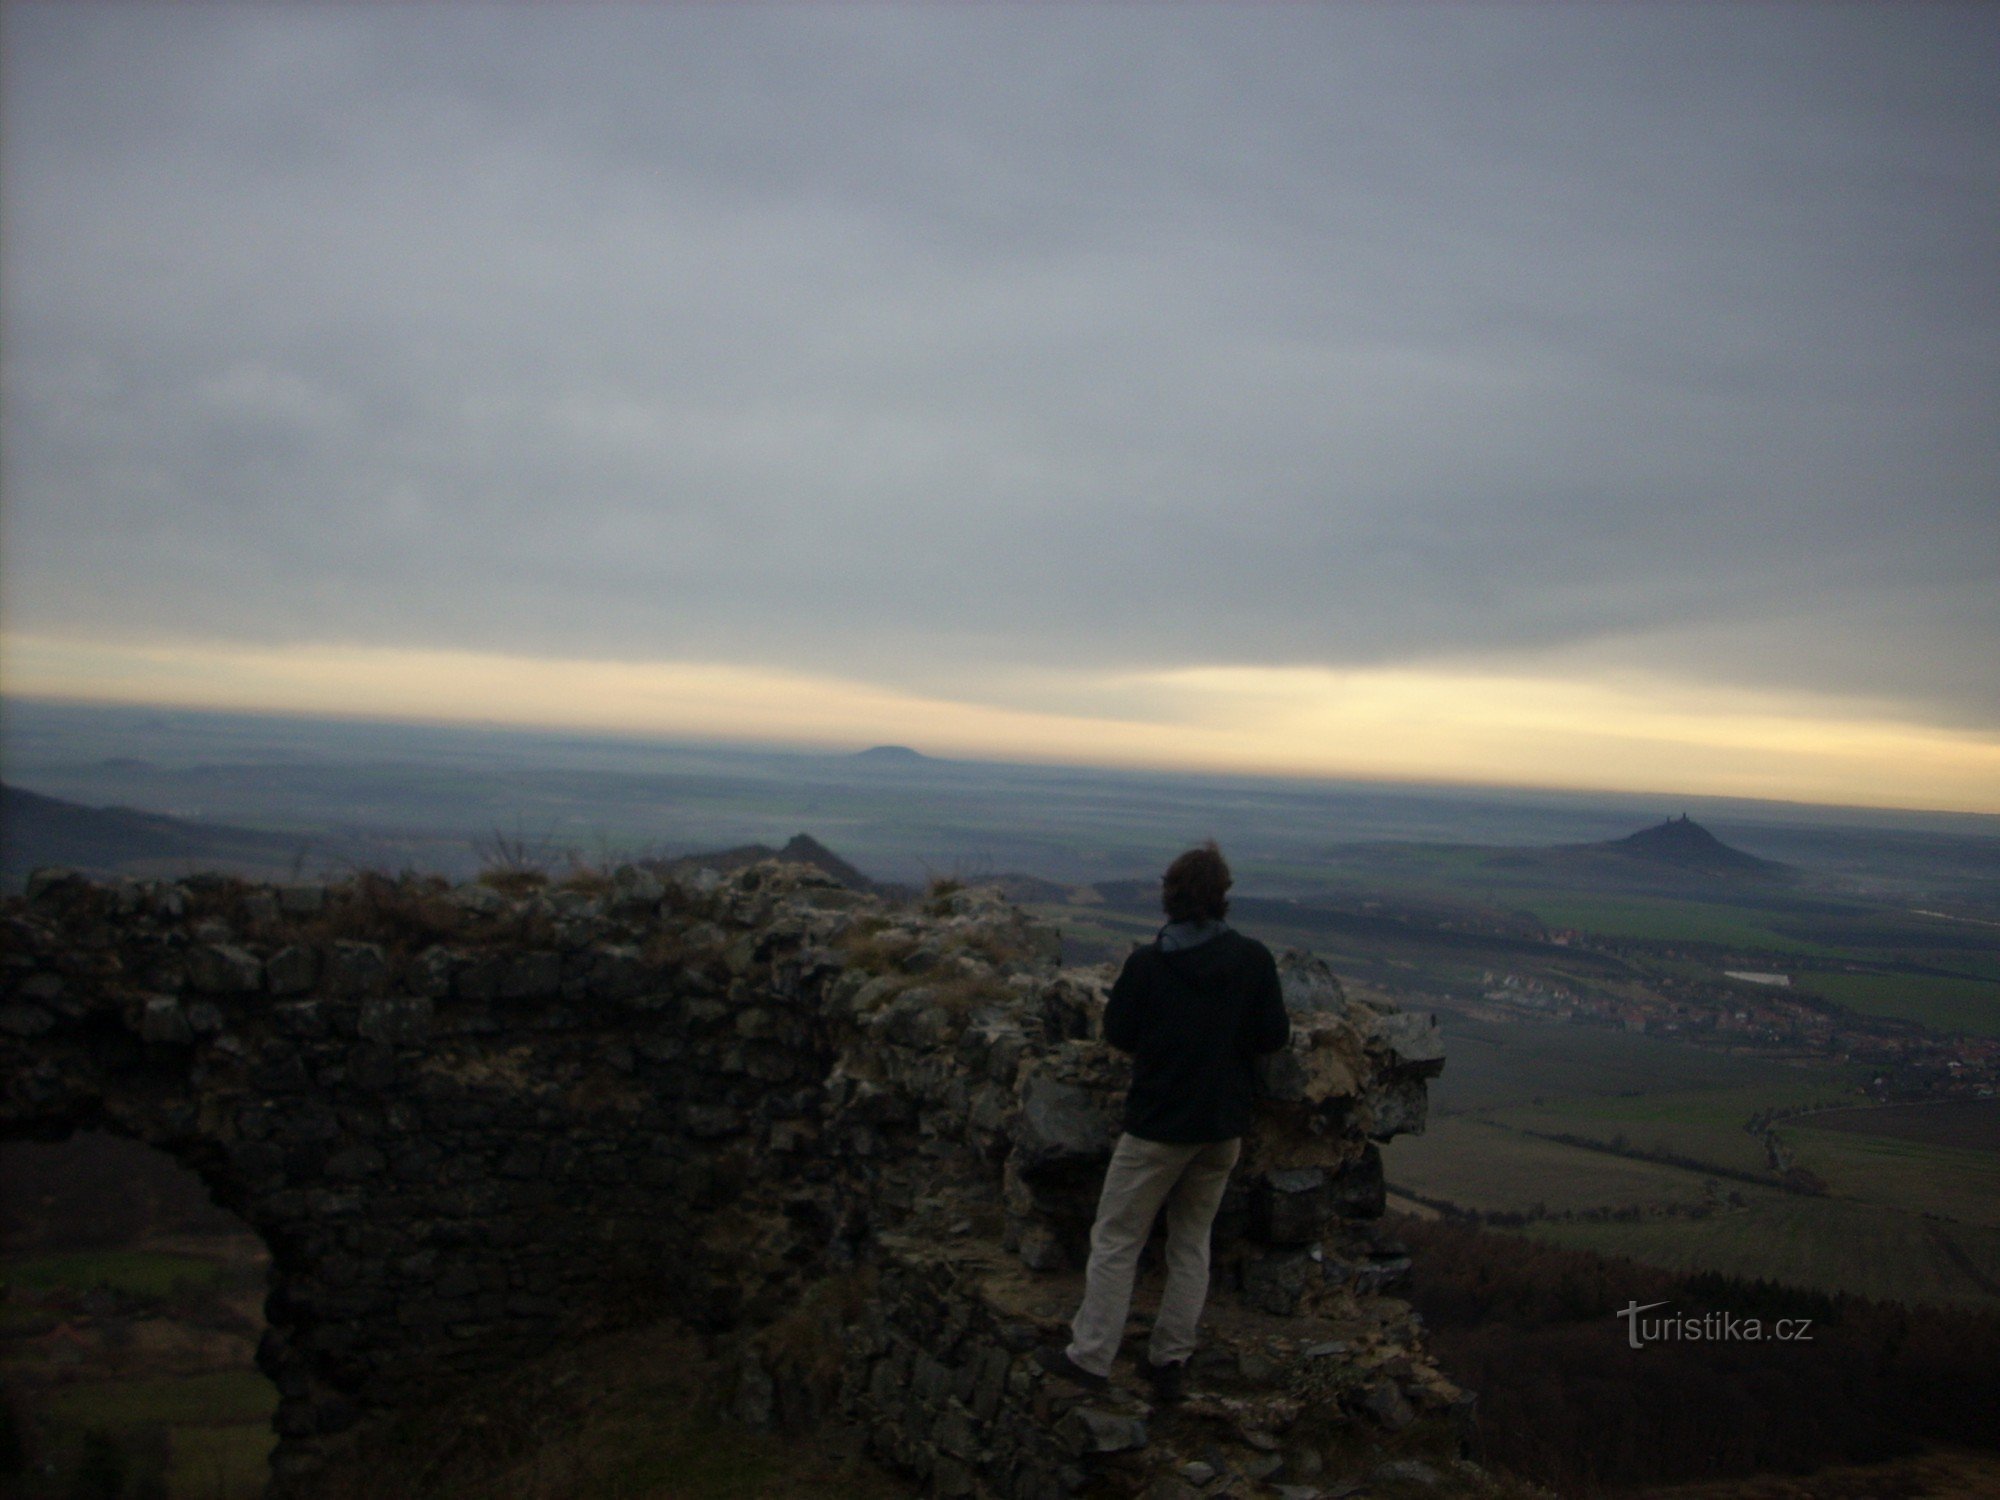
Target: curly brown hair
1195,887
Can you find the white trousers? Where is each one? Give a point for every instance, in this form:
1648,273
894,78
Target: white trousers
1144,1175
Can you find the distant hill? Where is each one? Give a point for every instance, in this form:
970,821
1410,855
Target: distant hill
36,830
1686,845
1679,852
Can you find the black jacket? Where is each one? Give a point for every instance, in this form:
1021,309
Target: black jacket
1193,1020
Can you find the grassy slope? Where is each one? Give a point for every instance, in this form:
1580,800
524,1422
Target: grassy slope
1873,1236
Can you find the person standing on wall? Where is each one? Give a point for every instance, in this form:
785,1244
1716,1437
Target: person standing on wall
1194,1008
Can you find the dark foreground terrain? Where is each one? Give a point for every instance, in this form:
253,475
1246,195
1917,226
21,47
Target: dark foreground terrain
133,1313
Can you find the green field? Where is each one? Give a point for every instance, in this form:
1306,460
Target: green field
1491,1064
1663,919
217,1398
1970,1124
205,1431
1487,1167
1871,1235
1706,1124
1909,1176
142,1273
1941,1003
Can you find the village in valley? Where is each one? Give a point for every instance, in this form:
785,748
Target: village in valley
1755,1010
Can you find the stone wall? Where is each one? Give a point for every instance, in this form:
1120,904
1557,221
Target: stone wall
469,1123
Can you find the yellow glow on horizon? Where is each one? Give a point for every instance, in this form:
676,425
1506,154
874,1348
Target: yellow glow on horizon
1393,723
1607,734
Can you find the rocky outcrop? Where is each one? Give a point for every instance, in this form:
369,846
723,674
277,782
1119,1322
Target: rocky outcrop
470,1122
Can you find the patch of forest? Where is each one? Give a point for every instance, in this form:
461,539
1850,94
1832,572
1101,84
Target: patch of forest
1565,1399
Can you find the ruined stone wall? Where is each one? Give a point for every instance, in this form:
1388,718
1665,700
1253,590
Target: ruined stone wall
469,1123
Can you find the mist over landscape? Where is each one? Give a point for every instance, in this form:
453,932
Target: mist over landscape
608,617
333,794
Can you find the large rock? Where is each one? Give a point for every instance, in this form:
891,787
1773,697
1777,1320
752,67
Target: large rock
1063,1130
1310,986
355,969
292,970
1398,1107
1311,1091
165,1021
1291,1206
399,1020
636,889
1357,1188
222,969
1068,1110
1094,1429
1410,1041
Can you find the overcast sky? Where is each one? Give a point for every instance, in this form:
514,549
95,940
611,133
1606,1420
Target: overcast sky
1036,360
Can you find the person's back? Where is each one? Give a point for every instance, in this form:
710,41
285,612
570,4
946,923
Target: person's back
1194,1008
1194,1018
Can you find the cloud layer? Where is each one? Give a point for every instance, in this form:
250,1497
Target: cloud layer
956,348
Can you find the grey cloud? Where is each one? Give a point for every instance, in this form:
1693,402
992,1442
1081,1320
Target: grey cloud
934,344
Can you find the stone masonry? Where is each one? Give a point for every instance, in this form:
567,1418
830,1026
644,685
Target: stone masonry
857,1141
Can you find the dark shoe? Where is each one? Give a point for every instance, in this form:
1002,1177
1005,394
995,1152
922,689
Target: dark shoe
1058,1363
1169,1381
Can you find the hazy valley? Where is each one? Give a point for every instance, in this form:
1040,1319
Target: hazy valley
1752,1039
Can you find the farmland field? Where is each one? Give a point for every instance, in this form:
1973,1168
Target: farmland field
1973,1124
1497,1063
1706,1124
1939,1002
145,1273
1904,1218
1476,1165
1665,920
1906,1175
1831,1244
217,1398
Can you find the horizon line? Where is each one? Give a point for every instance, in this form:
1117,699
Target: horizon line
695,740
